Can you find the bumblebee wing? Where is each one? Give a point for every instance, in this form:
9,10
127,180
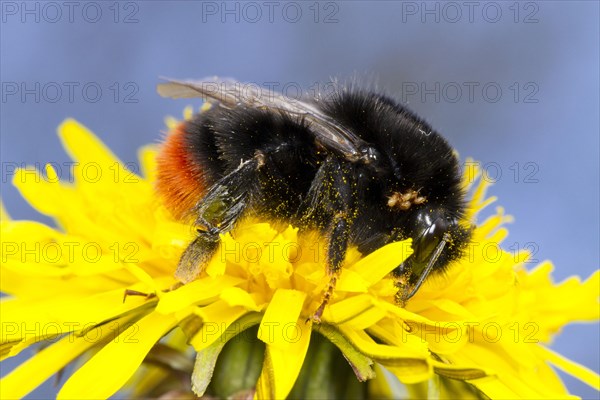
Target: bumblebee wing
229,93
217,90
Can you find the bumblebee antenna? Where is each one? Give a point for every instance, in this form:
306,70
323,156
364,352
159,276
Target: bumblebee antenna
434,257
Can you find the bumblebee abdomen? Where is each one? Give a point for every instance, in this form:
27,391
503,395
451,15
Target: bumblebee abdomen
188,165
179,179
199,152
286,148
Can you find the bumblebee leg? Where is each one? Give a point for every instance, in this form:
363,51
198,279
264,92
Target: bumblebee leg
336,189
217,213
197,255
336,252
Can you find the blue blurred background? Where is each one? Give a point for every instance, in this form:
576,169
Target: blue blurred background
513,85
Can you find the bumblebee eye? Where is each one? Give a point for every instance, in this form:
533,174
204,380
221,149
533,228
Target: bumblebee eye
426,243
428,248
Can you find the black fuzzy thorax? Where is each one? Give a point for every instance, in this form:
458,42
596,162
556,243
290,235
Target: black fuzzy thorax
223,138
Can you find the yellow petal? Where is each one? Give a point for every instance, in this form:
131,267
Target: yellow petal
147,157
350,281
361,364
570,367
394,332
188,112
279,321
234,296
171,122
495,388
83,146
519,374
120,358
207,356
33,372
382,387
381,262
384,354
358,312
217,321
411,371
46,197
282,364
142,276
25,323
4,217
462,372
196,292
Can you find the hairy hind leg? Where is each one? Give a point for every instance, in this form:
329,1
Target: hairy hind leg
333,192
217,213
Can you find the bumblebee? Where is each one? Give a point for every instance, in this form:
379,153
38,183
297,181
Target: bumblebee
357,166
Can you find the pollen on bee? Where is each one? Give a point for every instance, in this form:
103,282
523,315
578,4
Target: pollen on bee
402,280
404,201
179,179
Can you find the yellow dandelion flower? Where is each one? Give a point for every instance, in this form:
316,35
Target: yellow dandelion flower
98,292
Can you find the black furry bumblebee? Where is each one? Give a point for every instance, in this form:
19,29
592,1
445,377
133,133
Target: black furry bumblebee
357,166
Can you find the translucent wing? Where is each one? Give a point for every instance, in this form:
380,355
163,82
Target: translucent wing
229,93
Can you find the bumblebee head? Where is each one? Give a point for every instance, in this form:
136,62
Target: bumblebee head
438,238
